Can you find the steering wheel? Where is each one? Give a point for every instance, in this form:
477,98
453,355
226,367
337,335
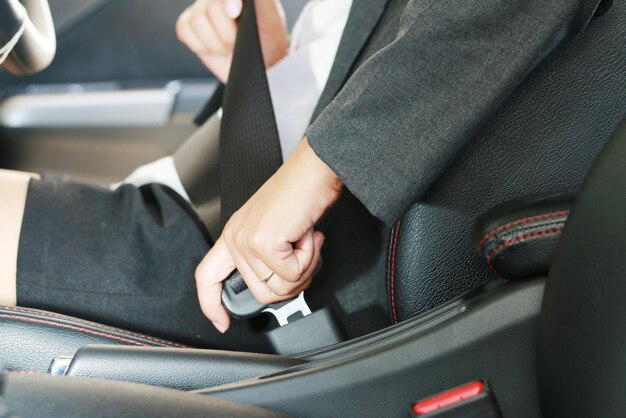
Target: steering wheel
27,36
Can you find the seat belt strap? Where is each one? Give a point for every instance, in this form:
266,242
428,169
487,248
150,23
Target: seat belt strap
249,144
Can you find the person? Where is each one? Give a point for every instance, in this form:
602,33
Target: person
410,84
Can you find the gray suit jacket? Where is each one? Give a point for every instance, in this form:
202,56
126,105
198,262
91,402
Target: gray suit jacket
413,81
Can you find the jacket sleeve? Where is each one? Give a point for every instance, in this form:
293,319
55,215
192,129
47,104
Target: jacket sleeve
409,110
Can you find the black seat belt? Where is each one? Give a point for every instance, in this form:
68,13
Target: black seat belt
249,145
224,162
250,154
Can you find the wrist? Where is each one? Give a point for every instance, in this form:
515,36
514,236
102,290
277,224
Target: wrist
324,173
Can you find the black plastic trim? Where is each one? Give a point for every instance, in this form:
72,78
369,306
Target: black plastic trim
491,336
176,368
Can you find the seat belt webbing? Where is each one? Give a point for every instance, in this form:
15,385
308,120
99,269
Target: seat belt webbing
250,150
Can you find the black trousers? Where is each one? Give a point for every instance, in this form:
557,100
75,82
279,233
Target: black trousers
124,258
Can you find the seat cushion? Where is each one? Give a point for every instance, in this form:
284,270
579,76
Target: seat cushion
30,339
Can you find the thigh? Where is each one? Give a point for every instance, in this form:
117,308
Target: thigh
13,190
125,258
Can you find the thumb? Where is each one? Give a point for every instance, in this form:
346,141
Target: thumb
215,267
232,8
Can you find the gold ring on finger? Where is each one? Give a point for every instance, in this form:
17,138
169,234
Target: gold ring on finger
267,279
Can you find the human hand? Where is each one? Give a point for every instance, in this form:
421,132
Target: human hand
272,232
209,28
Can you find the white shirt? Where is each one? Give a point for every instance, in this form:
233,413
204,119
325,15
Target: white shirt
296,83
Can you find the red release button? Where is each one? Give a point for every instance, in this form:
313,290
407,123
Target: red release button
451,397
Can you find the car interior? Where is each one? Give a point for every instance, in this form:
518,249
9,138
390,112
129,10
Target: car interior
503,288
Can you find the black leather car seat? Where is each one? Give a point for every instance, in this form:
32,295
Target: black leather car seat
30,338
582,333
542,141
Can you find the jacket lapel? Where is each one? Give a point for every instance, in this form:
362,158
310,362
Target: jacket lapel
364,15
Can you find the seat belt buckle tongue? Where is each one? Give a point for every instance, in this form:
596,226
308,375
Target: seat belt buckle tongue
282,311
475,399
241,304
300,329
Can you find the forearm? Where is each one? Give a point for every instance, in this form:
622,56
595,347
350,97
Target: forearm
408,111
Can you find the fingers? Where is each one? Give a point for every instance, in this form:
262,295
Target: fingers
223,22
260,292
232,8
288,289
186,34
278,288
213,269
224,257
206,27
254,269
204,30
209,29
293,289
291,261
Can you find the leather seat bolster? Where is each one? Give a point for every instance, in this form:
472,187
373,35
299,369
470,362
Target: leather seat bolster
543,138
32,338
518,240
582,328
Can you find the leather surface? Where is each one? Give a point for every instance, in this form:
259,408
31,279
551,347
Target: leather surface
517,240
183,369
582,337
543,140
63,397
31,338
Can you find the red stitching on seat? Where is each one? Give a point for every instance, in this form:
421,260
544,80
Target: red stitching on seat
516,240
89,323
520,222
74,328
393,273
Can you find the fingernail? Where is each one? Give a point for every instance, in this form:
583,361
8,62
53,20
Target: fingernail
232,8
221,328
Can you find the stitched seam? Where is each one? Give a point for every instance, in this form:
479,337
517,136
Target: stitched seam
520,222
72,327
515,241
526,229
64,318
388,268
91,324
393,273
